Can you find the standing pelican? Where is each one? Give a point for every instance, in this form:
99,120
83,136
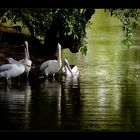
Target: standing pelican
14,69
70,70
50,67
26,61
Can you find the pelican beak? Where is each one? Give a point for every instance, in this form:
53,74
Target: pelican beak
26,50
68,66
58,51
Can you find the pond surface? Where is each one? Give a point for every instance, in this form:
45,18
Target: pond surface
105,96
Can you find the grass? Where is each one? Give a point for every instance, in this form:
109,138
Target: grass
9,23
24,29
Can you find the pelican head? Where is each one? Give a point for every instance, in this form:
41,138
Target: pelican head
59,46
70,70
26,43
10,60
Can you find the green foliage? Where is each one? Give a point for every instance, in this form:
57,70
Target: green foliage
84,48
74,24
129,20
39,20
36,20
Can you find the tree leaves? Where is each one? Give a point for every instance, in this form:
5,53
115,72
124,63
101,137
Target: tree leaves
39,21
129,19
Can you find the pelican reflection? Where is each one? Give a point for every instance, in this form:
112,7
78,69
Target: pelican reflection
16,103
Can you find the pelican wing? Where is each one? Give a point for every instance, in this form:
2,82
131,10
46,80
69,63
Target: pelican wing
6,67
46,64
11,70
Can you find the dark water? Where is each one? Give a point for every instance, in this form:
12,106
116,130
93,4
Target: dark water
105,96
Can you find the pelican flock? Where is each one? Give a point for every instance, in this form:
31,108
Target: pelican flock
50,67
14,69
70,70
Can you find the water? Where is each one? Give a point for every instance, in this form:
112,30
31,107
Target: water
105,96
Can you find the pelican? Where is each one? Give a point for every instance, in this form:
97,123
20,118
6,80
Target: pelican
26,61
50,67
14,69
70,70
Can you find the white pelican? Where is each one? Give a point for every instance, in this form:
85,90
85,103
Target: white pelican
50,67
14,69
70,70
26,61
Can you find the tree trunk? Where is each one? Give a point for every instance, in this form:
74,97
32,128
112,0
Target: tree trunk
51,37
66,41
87,14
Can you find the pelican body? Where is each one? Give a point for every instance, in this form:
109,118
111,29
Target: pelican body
50,67
70,70
11,70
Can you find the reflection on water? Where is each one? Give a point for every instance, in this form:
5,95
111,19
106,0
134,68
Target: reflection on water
46,103
104,97
15,107
55,102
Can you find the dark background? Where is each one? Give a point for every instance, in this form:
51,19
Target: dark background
69,4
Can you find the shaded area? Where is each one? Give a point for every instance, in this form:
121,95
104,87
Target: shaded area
63,25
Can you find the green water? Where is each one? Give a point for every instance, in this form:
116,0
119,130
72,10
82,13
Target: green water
109,78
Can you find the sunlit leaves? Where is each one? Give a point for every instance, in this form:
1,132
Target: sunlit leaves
83,47
37,18
129,19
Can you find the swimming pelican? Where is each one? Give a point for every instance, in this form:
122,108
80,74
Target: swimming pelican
70,70
26,61
14,69
50,67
